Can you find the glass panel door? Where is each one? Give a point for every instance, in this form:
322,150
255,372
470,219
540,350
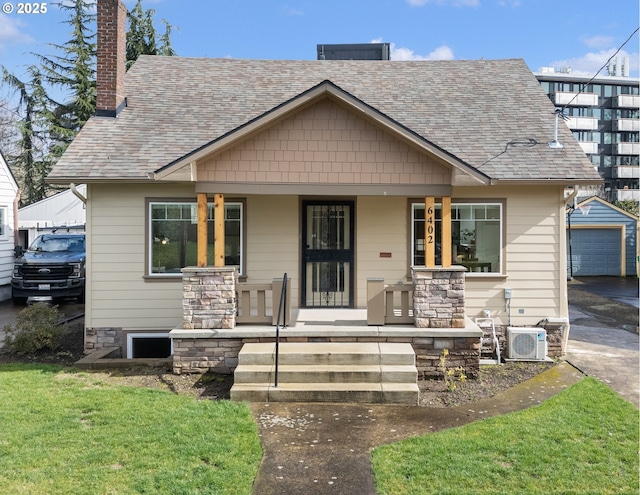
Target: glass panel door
327,254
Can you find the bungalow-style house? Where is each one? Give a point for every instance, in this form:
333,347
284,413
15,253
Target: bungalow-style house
417,194
9,197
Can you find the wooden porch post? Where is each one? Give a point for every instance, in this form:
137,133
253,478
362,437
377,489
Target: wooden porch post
218,229
446,231
202,230
429,232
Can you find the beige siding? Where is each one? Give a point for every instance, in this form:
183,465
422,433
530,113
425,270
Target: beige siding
118,295
381,227
273,240
535,259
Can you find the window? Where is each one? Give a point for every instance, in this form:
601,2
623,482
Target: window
3,220
476,231
173,234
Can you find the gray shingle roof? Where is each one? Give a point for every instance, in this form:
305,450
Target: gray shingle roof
471,109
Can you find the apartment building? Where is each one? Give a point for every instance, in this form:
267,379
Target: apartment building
604,115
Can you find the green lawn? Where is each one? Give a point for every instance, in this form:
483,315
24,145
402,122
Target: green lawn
582,441
64,432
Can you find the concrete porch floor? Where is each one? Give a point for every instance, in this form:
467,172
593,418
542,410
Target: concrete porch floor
342,322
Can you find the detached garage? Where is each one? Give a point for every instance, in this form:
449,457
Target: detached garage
601,240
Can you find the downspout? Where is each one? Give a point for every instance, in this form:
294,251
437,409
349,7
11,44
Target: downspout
16,231
572,208
573,194
77,193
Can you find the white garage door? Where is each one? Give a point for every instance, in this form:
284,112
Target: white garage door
596,252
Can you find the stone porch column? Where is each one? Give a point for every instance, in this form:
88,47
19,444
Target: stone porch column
209,297
438,296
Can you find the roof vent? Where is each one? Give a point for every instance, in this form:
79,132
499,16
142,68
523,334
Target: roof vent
555,144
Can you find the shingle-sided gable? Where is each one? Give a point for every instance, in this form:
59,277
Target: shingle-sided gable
323,143
470,109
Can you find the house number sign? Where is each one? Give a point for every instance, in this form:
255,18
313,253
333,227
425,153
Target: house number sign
429,222
430,231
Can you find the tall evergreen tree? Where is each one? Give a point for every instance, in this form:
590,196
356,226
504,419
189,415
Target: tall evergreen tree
31,161
49,123
72,73
142,37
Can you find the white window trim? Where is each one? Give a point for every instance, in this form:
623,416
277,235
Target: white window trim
4,224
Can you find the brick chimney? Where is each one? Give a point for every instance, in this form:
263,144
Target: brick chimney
112,33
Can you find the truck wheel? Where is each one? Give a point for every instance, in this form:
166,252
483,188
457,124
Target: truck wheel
19,301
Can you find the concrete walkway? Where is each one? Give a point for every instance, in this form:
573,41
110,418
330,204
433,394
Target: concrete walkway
316,448
325,448
608,353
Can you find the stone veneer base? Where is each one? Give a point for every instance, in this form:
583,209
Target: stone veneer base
217,350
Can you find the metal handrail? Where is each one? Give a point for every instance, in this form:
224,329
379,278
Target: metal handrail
281,312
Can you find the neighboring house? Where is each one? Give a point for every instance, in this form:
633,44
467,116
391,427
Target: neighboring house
9,192
334,172
604,240
62,212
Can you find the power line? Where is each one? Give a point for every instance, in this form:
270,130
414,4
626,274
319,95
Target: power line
582,88
526,143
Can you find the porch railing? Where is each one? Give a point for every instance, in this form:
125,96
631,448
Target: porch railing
256,303
389,304
280,318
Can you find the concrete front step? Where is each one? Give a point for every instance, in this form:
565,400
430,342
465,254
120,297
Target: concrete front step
367,393
380,373
307,353
337,373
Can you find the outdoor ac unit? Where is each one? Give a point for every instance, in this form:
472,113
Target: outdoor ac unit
526,344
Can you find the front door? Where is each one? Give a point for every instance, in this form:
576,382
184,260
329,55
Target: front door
327,254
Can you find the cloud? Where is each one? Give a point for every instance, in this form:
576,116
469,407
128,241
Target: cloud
293,11
454,3
10,32
510,3
598,41
590,63
441,53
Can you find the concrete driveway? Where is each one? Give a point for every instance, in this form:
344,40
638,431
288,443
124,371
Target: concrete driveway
621,289
603,339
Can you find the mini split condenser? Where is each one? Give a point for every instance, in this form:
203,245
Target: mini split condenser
526,344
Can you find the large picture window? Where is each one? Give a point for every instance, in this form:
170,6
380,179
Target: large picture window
173,235
476,236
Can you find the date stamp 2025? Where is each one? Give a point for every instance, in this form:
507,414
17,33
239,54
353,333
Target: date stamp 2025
24,8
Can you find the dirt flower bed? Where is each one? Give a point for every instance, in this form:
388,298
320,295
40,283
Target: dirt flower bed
492,380
433,393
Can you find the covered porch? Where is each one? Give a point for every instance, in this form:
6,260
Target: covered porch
221,315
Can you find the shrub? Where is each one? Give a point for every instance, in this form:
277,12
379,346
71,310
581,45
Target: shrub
449,374
37,327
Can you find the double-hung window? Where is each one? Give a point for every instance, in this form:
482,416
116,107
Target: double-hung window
476,236
173,234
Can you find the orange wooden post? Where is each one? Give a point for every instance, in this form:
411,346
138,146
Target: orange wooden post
429,232
446,231
202,230
218,229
